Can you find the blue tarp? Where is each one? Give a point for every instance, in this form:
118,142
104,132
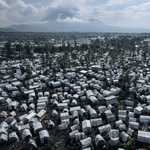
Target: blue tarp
71,90
115,75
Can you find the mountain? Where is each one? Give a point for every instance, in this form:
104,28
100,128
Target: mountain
59,14
21,28
57,22
7,30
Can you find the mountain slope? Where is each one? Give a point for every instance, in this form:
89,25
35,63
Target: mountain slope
21,27
7,30
59,14
63,21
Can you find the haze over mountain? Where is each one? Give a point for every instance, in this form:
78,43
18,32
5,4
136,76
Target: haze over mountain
59,22
77,16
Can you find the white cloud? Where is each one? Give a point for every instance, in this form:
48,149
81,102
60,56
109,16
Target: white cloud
17,12
138,16
38,4
116,2
71,20
111,12
3,5
68,3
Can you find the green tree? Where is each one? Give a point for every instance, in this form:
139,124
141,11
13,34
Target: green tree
8,48
27,49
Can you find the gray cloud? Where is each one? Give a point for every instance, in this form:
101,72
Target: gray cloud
125,13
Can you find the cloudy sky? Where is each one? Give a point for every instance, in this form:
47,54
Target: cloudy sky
122,13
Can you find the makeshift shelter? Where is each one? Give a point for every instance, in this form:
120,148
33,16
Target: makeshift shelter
132,119
117,123
76,121
32,95
86,142
104,128
8,100
130,132
122,127
73,103
75,115
124,137
74,127
13,137
64,116
100,97
2,99
92,113
72,134
31,144
44,136
93,100
3,114
15,94
12,123
96,122
133,125
82,113
79,136
111,118
26,134
102,109
40,94
37,127
77,108
29,117
63,126
61,106
86,127
144,119
15,127
9,119
87,148
31,106
99,141
147,109
21,118
143,136
13,105
54,113
23,127
3,131
110,100
108,113
3,138
131,114
4,125
114,133
129,103
13,113
106,93
31,100
114,141
89,93
41,114
138,110
110,107
23,107
75,96
55,96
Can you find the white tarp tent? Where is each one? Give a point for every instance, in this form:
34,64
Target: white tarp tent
86,142
143,136
44,136
86,126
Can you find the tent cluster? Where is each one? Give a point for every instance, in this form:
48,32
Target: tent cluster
85,102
